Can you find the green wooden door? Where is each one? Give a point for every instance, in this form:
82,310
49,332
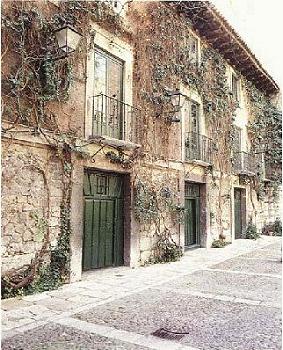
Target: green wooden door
192,214
239,212
103,243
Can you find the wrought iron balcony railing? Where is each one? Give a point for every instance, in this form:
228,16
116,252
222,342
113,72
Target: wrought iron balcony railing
198,147
114,118
245,163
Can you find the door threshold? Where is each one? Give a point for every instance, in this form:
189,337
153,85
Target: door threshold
113,271
193,246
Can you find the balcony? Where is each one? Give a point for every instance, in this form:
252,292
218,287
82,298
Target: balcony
244,163
114,119
198,148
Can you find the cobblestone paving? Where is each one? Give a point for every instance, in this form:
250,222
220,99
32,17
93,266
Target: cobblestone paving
56,337
260,265
225,299
222,283
271,253
211,324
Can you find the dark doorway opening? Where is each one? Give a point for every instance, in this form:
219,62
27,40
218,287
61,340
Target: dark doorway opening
192,214
239,212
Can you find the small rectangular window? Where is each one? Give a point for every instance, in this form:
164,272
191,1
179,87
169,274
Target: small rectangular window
194,117
193,50
117,6
102,184
235,87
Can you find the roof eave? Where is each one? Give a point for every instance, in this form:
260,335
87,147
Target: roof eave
211,25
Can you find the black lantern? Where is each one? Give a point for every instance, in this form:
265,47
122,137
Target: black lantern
68,39
177,99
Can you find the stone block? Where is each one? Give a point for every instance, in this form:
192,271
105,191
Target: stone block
25,217
145,255
57,304
9,229
27,207
145,244
27,235
22,199
6,240
16,239
54,221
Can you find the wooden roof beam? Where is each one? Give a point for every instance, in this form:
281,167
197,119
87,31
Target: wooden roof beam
223,38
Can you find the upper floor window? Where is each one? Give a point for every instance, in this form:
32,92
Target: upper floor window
193,49
191,113
109,110
197,145
108,75
235,86
108,106
194,117
117,5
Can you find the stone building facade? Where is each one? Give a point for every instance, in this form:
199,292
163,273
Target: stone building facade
133,180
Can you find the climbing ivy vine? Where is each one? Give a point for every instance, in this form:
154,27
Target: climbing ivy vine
265,129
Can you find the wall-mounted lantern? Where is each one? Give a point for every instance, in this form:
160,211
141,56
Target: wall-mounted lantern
68,39
177,100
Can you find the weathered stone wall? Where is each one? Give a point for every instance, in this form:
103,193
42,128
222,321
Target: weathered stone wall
31,192
161,179
219,206
267,210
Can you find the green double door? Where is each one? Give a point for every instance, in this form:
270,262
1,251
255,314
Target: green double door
103,243
192,214
239,212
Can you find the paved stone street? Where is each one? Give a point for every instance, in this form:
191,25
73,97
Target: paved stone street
226,298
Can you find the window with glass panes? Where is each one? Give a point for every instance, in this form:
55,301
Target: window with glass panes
108,118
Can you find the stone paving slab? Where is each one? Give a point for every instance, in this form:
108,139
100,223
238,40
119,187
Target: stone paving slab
210,324
248,265
259,288
58,305
26,315
57,337
271,251
14,303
